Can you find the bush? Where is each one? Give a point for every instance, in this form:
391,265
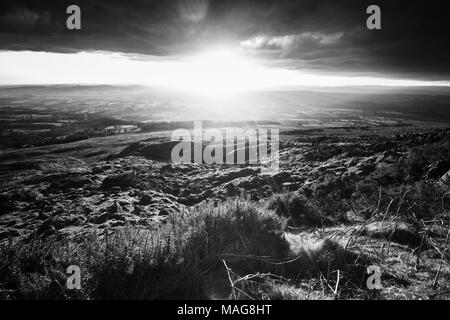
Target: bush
166,262
331,195
297,208
422,200
302,277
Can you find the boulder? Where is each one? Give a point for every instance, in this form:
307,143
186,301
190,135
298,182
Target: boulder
115,208
71,183
122,181
282,177
438,168
146,199
230,189
445,179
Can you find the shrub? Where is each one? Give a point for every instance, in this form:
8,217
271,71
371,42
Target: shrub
422,200
297,208
166,261
302,277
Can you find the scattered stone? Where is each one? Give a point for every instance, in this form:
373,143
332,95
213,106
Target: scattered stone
9,234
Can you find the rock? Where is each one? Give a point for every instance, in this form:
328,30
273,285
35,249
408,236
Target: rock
43,202
112,223
116,189
153,151
71,183
27,195
230,189
97,170
363,168
100,219
9,234
291,186
44,216
184,168
138,210
122,181
106,167
146,199
58,209
74,195
231,175
191,200
206,194
445,179
167,168
78,182
282,177
115,208
46,230
163,212
63,221
85,210
438,168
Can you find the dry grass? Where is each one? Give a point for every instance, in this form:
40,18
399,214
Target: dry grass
170,261
239,250
297,209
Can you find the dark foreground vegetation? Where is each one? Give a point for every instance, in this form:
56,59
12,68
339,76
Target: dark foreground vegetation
239,249
301,236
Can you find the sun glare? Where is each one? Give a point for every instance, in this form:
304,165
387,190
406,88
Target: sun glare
215,73
222,71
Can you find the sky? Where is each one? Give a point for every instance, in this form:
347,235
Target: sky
245,44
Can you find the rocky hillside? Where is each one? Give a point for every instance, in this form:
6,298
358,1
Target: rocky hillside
383,185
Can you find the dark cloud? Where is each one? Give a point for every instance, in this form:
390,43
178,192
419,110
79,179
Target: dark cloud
314,34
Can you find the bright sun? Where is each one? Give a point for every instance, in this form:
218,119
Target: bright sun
216,73
222,71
